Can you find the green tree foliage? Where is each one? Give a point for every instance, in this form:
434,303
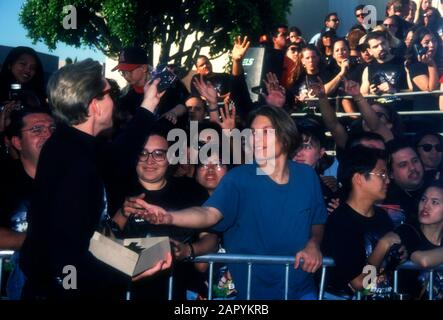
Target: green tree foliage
109,25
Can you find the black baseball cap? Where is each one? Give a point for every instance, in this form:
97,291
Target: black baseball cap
131,58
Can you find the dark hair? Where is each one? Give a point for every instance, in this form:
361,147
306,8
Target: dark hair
420,135
14,129
396,145
295,29
321,48
340,40
399,24
274,30
435,23
329,15
36,84
375,35
359,7
285,128
358,159
355,139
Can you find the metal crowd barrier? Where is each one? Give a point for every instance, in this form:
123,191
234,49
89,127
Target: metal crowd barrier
288,262
250,260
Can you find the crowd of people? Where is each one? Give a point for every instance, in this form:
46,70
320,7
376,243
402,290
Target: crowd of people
79,154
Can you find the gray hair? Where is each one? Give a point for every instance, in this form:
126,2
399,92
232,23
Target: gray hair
72,88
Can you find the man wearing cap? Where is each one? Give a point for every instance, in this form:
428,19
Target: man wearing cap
133,66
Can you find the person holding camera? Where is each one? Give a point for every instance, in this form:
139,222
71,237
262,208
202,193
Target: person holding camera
133,66
386,74
422,67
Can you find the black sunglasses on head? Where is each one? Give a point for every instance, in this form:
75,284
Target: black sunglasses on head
427,147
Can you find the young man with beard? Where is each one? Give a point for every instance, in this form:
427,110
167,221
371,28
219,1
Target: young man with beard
386,74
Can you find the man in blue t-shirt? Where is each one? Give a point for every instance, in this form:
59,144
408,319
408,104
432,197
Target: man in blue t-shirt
271,207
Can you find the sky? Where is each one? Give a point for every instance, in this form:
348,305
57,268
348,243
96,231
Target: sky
13,34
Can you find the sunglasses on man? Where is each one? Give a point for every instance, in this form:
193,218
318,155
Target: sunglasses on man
427,147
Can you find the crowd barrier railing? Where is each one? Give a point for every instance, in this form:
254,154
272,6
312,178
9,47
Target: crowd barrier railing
286,261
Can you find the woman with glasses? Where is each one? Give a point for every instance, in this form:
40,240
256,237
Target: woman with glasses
154,183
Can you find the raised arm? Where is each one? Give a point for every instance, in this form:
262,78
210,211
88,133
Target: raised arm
329,117
238,53
194,217
368,114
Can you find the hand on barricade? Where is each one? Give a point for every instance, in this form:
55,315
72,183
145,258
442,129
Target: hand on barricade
312,258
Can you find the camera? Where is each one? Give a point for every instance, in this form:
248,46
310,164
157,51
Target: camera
167,77
419,50
14,92
378,79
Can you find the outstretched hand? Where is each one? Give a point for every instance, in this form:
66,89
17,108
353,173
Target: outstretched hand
240,48
152,213
206,90
276,93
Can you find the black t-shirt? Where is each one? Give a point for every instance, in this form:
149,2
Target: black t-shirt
393,72
178,193
415,282
425,102
301,86
15,194
349,240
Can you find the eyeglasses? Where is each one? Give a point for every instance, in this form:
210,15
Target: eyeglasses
334,20
293,49
383,176
214,166
427,147
157,155
361,15
39,130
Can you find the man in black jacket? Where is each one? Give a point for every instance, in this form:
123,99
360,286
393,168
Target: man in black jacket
69,201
